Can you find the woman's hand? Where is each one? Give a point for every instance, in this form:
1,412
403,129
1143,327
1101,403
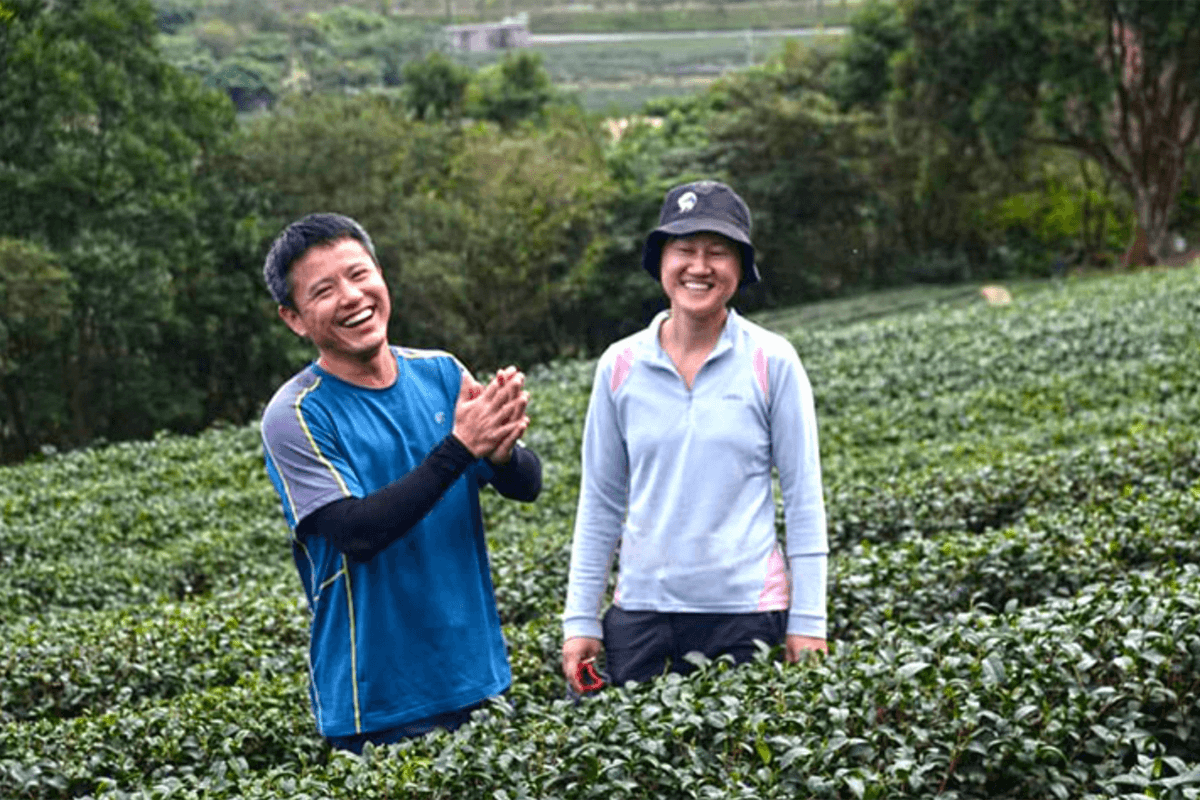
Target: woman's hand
804,646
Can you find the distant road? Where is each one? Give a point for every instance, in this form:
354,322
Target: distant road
644,36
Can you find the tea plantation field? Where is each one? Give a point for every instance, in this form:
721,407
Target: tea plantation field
619,76
1013,497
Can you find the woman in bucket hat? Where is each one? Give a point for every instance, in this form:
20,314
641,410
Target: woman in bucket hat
686,420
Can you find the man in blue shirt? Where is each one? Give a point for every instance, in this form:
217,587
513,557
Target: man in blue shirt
378,453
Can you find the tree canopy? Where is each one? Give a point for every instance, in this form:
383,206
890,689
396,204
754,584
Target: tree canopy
948,140
1115,80
103,156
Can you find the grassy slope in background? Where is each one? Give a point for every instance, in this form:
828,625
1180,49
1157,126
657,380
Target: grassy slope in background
1013,496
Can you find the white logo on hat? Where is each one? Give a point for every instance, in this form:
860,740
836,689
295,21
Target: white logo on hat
687,201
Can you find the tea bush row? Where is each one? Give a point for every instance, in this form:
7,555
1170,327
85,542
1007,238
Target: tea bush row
531,561
1012,496
960,495
67,664
128,532
1081,696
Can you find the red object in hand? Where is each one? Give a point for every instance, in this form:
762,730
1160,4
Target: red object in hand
586,676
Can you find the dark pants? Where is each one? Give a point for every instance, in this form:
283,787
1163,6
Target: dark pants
449,720
639,645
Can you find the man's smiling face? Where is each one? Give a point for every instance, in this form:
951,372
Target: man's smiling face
341,301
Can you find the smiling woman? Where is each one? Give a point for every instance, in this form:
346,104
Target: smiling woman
686,421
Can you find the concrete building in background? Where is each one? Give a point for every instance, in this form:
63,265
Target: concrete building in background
484,36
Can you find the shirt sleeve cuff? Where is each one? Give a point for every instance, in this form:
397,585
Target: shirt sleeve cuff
456,450
805,625
575,627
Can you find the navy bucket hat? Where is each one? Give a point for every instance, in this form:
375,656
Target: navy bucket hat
702,206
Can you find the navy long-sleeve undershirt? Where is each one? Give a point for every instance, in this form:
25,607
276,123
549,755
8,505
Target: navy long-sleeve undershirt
360,527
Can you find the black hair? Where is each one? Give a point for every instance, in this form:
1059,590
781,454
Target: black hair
301,236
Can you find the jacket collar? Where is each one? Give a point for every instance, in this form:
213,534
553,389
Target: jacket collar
652,346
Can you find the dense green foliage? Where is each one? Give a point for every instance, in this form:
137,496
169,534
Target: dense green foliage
483,237
436,87
1013,495
509,214
126,271
1120,88
258,53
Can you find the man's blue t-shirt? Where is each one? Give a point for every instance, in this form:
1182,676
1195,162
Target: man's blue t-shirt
414,631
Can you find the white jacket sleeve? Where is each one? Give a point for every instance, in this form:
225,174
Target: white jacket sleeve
795,455
603,503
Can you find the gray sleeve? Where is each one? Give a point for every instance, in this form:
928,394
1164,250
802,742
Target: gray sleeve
304,458
795,454
600,514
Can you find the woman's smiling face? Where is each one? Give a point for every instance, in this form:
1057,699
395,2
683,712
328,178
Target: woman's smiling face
700,273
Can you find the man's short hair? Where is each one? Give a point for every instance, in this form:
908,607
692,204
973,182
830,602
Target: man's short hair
301,236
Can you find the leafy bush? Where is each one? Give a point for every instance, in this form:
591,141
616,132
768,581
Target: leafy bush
1013,496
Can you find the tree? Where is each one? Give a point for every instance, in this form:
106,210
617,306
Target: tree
797,160
1066,215
435,87
102,145
93,117
175,14
245,87
35,305
484,237
513,90
1116,80
863,72
501,251
360,156
938,196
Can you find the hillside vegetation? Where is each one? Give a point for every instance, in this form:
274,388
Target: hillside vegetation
648,15
509,199
260,53
1013,496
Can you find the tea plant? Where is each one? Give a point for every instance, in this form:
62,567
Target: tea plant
1013,497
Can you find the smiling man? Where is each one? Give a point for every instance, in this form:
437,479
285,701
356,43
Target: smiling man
378,454
686,421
